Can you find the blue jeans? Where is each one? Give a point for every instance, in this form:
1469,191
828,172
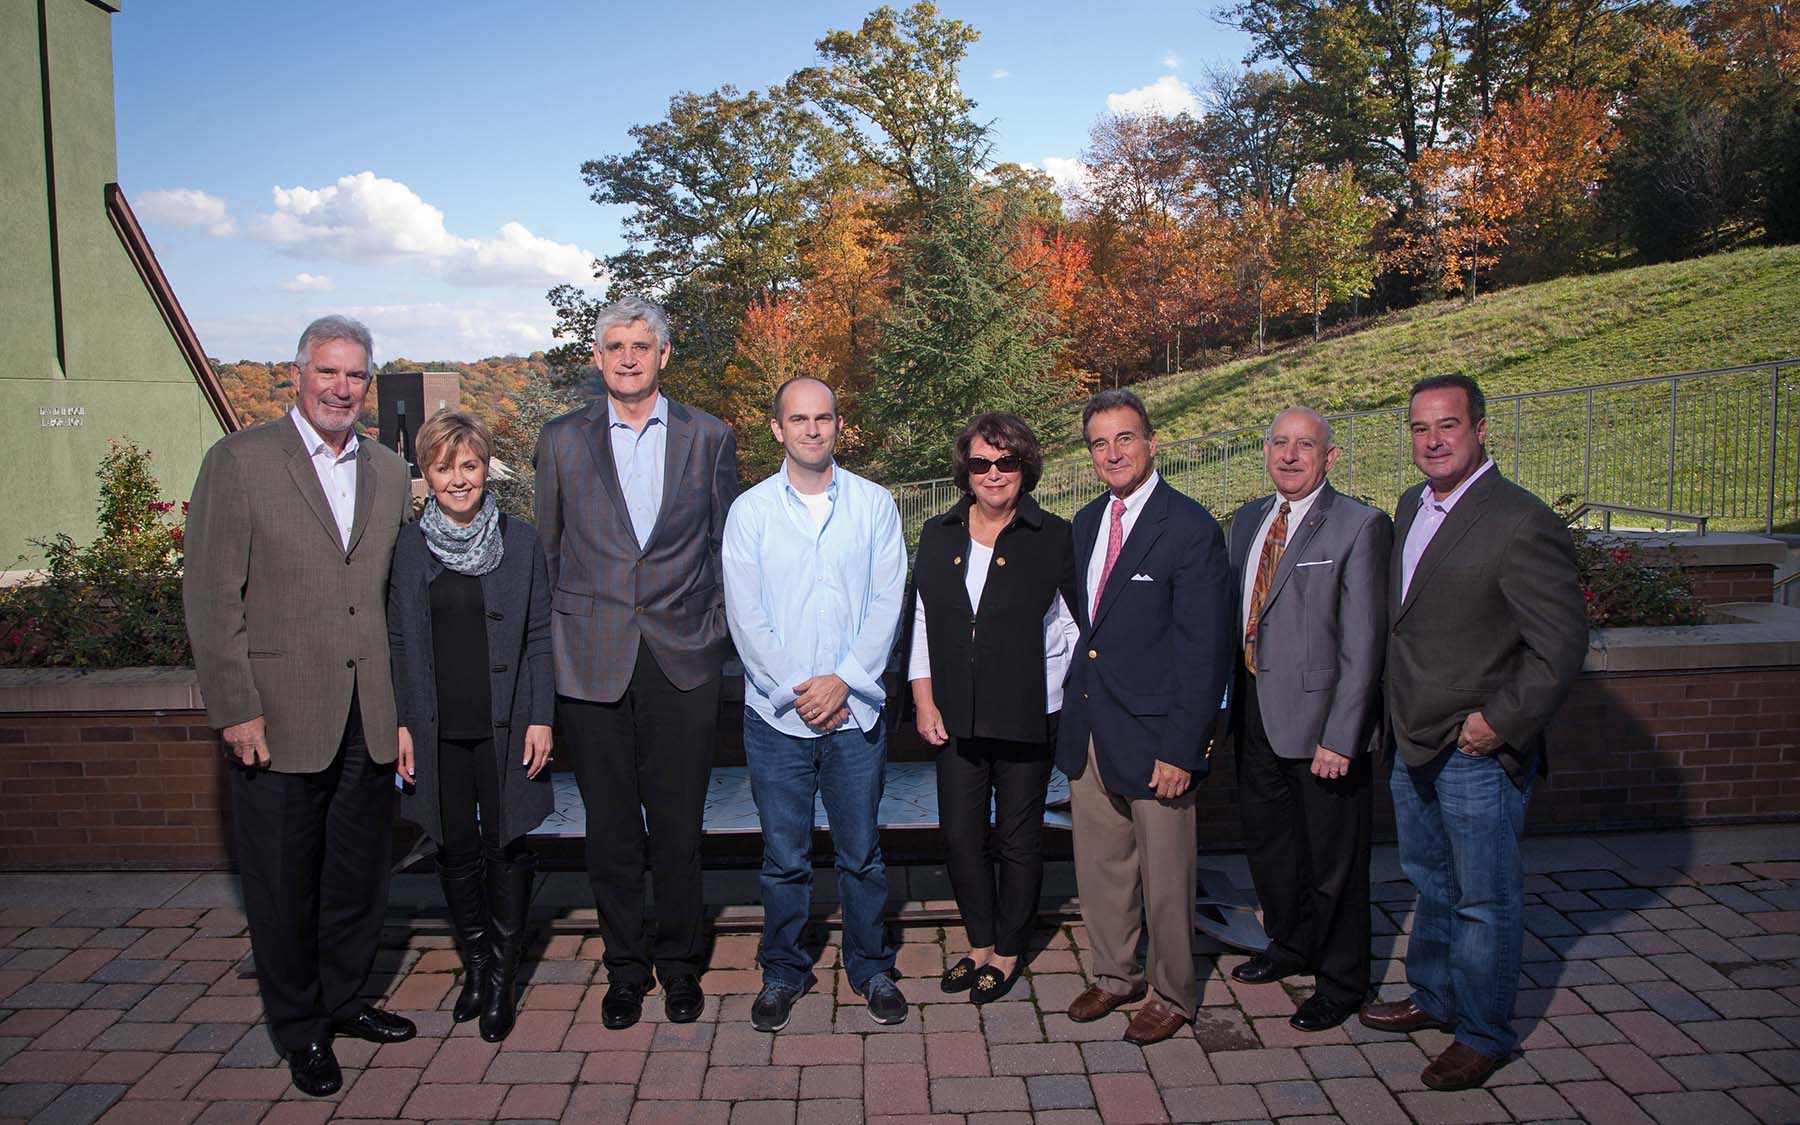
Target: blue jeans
1459,820
847,768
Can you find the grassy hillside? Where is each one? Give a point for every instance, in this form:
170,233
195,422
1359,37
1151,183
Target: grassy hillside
1721,311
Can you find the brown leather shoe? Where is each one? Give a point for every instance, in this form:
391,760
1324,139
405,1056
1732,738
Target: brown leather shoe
1460,1067
1096,1002
1153,1023
1399,1015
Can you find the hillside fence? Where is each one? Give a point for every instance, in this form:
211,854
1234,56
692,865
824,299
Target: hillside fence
1722,444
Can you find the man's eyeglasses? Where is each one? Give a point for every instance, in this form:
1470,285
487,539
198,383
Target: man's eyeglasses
1009,464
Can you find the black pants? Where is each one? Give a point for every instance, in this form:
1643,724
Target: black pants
468,781
642,764
312,854
996,887
1308,844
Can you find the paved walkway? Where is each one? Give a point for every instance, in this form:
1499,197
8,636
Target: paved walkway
1662,984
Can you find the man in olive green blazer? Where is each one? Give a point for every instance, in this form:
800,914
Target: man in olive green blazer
289,536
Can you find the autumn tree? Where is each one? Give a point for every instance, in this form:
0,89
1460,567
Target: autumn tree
1255,260
1326,241
891,89
715,193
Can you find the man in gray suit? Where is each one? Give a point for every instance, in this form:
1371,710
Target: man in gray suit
1487,628
289,536
632,492
1310,572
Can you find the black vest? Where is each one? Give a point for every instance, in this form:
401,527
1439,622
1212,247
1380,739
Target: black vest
987,667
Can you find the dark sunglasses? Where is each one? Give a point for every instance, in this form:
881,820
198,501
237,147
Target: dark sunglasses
979,466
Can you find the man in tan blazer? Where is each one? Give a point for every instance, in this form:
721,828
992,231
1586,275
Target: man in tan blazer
289,536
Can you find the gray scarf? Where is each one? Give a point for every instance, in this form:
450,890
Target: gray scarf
475,549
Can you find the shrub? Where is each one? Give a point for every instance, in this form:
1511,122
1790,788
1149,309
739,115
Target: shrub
1622,589
116,602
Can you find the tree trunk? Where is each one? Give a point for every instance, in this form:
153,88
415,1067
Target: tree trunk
1316,310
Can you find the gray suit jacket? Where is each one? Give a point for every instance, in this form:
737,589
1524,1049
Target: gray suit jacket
516,596
1494,622
607,593
285,622
1320,641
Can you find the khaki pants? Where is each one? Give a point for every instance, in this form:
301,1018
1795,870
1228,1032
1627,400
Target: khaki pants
1135,863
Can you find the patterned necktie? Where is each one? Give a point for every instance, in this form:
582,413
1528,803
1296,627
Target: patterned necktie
1273,546
1115,539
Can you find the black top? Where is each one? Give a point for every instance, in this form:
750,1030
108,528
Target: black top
987,665
459,648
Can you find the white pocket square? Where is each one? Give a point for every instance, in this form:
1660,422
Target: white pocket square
1320,562
1142,578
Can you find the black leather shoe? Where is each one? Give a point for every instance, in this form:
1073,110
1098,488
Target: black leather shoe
315,1070
1261,969
622,1005
1321,1013
682,999
376,1026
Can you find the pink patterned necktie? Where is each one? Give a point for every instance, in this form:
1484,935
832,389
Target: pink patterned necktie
1115,540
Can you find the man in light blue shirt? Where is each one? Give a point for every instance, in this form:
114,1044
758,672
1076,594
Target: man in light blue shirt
638,453
815,571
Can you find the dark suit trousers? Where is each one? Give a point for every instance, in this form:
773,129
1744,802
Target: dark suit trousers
642,764
312,854
1308,844
996,892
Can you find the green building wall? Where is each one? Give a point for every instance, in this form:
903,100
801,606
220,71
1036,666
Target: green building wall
118,370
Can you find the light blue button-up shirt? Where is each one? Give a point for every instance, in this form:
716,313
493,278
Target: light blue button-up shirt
805,600
638,458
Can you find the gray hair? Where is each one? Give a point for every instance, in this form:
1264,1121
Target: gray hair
629,310
1112,399
329,328
1322,422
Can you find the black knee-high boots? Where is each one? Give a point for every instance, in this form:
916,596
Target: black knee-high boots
509,899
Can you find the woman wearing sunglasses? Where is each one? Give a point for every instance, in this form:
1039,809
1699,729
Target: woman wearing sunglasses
992,636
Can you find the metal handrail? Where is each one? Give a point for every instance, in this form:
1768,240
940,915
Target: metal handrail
1607,511
1724,442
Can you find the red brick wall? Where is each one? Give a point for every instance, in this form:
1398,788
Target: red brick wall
1633,750
1716,585
144,789
126,789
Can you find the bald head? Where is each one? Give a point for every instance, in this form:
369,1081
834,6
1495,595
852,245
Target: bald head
1321,424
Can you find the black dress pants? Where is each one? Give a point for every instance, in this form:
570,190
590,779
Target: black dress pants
468,785
996,887
1308,844
642,764
312,855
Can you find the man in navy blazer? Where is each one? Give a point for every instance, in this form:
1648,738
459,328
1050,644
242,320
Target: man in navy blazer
1139,710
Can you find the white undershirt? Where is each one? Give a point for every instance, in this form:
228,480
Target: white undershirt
819,504
1134,504
1060,631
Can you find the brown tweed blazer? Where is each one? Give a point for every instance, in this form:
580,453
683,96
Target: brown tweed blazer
285,623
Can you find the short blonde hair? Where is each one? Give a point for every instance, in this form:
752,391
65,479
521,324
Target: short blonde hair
443,432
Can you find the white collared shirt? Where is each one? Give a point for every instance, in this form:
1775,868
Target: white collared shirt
1432,514
638,460
336,473
1134,504
1297,510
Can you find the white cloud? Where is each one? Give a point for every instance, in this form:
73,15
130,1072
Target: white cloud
1167,96
366,219
186,207
307,283
427,330
1070,174
1000,73
1172,61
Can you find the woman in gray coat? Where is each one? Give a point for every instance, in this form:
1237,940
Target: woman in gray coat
469,629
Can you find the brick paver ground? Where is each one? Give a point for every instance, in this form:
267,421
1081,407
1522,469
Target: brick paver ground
1661,984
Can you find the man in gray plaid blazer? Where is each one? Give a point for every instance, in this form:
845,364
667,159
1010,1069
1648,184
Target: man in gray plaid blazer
632,492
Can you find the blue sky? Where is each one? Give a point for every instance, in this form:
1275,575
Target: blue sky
418,165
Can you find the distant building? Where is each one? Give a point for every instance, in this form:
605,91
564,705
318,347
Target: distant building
93,344
405,399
